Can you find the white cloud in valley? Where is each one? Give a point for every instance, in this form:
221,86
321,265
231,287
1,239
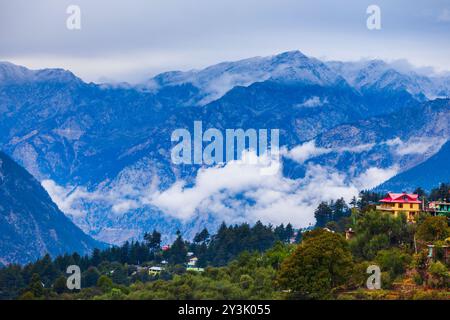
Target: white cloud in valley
234,192
121,198
309,150
313,102
416,145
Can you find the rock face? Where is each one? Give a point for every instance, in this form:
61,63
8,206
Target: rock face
426,175
31,225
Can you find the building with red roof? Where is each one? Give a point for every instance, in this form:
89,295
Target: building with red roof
406,203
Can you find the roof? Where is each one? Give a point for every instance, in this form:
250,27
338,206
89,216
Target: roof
440,203
156,268
401,198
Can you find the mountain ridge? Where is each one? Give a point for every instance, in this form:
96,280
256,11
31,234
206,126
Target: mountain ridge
31,224
99,150
424,175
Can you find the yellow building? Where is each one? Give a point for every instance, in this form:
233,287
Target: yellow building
406,203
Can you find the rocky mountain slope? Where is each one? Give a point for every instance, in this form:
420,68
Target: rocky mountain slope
427,175
103,152
31,225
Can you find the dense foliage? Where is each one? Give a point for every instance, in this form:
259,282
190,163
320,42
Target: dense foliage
259,262
119,263
322,262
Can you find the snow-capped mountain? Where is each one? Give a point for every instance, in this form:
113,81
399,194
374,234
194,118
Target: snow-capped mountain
13,74
213,82
378,75
103,152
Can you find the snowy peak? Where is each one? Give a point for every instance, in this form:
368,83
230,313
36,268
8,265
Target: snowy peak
10,72
14,74
293,66
216,80
379,75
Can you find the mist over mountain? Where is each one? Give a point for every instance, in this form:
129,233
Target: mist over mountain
103,151
214,81
427,175
377,75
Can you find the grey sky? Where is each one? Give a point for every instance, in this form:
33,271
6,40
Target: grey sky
132,39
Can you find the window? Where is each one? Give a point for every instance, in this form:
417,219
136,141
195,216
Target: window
400,205
411,205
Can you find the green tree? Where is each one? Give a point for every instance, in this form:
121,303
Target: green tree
394,261
153,240
433,229
289,232
11,282
60,285
275,256
36,286
376,231
90,277
367,199
202,236
419,191
439,275
177,254
321,263
440,193
104,283
340,209
28,295
323,214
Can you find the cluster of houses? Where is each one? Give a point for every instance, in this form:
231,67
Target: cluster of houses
154,271
411,205
393,203
192,263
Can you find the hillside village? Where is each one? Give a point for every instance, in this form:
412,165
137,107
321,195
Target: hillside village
411,205
406,234
240,152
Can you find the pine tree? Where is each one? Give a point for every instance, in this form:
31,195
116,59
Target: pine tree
178,252
153,240
323,214
60,285
36,286
202,236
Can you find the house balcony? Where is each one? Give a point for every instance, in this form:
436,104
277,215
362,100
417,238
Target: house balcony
385,208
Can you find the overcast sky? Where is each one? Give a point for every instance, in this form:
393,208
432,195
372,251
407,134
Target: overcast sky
133,39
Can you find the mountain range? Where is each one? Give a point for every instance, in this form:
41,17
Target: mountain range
102,151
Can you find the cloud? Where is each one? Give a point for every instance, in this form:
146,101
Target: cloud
373,177
306,151
416,145
309,150
66,197
238,192
356,149
313,102
130,40
405,66
444,16
235,192
219,86
73,200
